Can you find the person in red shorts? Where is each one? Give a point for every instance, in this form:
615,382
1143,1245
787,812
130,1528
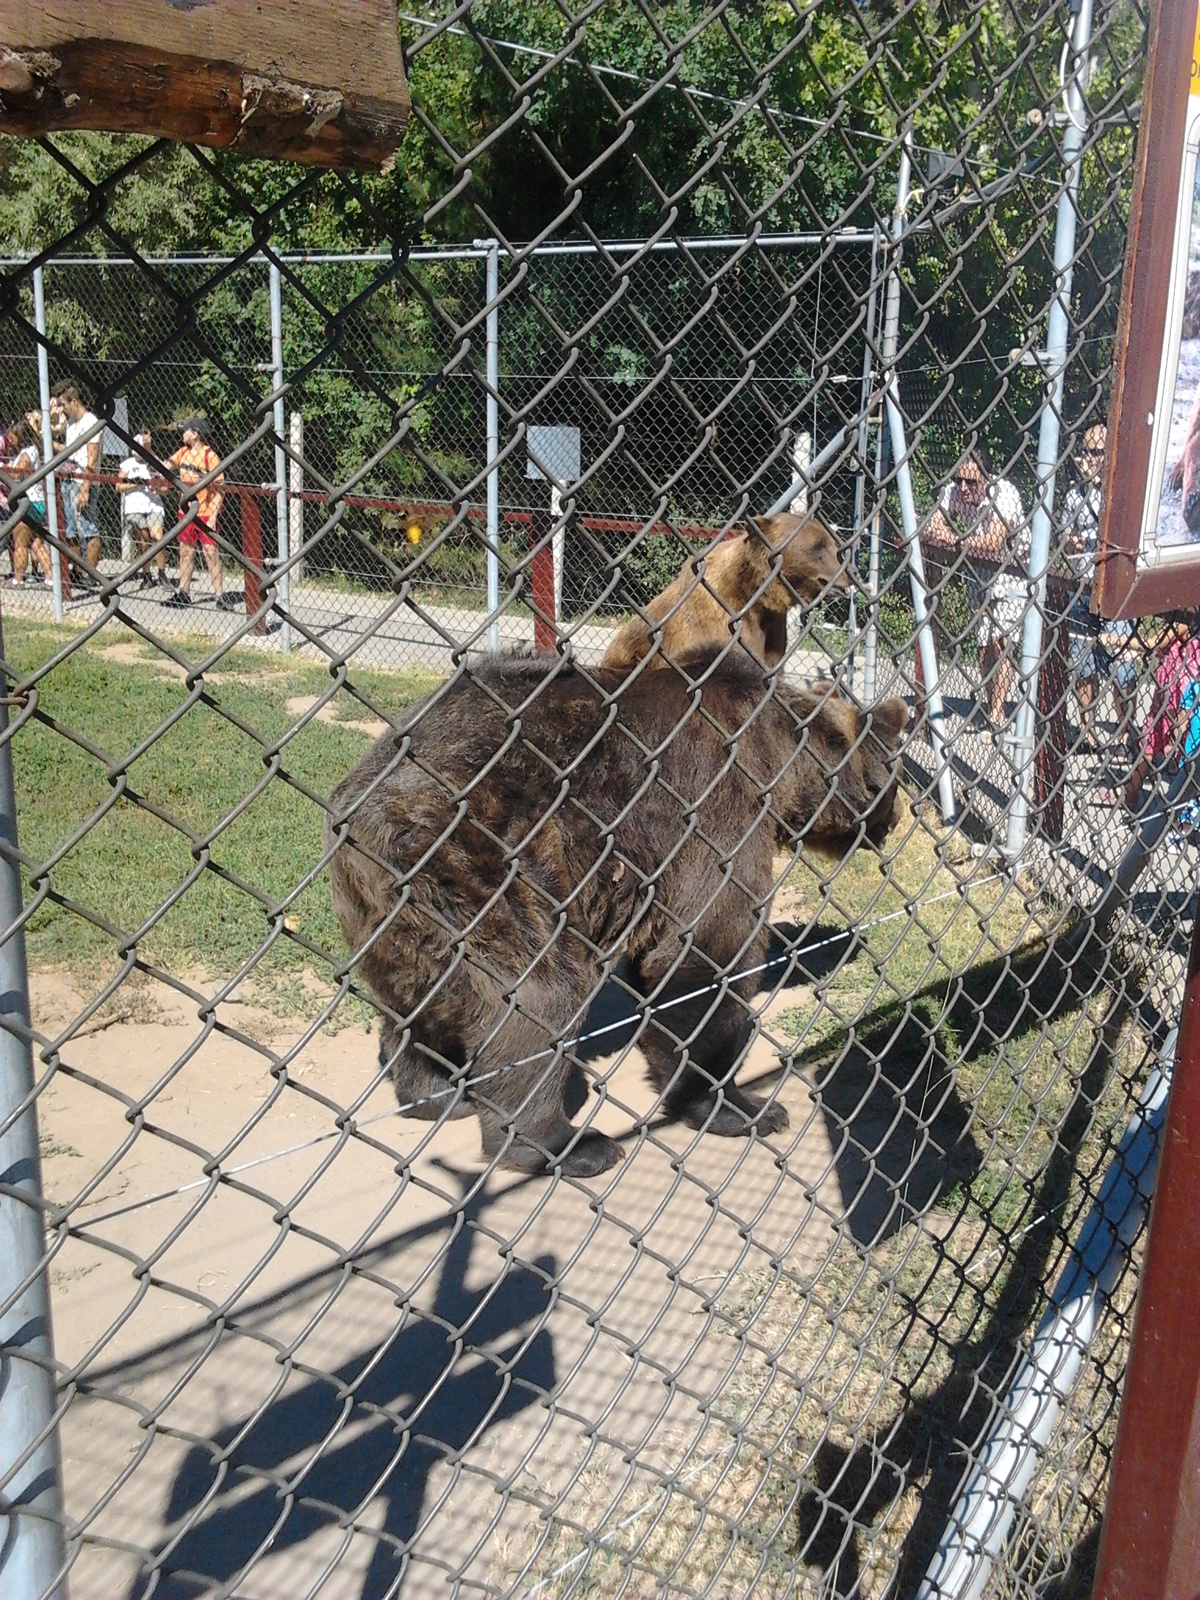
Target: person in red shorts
194,463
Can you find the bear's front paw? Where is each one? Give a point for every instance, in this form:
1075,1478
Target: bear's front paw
590,1155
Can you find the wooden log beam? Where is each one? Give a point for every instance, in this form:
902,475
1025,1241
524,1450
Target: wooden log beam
315,81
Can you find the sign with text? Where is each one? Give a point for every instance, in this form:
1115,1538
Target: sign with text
1149,551
557,450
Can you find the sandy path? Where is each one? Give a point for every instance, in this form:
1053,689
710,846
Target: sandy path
182,1315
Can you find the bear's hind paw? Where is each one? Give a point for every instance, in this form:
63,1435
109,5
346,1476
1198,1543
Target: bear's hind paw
736,1115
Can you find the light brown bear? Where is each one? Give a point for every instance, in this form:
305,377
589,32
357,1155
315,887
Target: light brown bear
703,610
527,827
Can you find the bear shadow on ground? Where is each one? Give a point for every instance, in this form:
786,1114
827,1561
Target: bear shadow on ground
362,1449
613,1018
895,1119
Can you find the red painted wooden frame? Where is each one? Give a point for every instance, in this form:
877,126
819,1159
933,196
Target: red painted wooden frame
1150,1544
1120,590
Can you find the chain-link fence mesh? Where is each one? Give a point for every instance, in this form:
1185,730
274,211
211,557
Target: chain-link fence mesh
855,1326
390,348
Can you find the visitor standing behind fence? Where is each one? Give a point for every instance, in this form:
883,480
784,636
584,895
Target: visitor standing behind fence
1098,650
142,510
78,482
983,516
196,462
1165,732
26,538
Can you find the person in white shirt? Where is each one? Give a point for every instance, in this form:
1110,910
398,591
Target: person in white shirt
985,518
78,481
27,537
1098,649
142,510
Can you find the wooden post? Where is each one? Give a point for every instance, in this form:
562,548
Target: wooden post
316,81
541,583
252,557
1051,758
1150,1542
64,565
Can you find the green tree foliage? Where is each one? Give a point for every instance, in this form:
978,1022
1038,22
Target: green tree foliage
769,115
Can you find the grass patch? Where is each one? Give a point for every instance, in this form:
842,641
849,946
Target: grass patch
219,795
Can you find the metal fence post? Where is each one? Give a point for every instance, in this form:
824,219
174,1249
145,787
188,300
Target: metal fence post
1048,434
39,312
908,506
493,444
281,480
296,491
32,1548
870,640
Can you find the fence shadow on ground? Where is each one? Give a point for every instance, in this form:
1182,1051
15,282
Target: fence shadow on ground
933,1436
371,1430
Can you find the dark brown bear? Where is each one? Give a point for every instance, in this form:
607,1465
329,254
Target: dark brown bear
530,827
735,595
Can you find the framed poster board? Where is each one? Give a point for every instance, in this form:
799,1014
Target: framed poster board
1148,558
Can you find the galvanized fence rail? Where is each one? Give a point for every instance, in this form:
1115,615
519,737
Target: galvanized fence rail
396,928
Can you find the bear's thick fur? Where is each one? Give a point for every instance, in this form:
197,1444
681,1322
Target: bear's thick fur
528,829
699,612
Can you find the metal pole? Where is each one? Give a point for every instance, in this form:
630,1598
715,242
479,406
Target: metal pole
860,483
493,445
1047,466
1013,1446
32,1549
802,468
908,505
803,482
296,488
281,481
871,642
39,313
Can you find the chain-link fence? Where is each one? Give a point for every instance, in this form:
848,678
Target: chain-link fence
390,349
885,825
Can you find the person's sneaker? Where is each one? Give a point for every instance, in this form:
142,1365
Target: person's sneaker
146,581
1177,841
227,602
179,600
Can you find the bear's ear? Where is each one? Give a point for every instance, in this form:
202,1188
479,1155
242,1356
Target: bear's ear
888,719
781,527
778,528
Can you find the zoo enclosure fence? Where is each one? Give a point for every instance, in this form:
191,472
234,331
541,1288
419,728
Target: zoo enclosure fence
269,315
307,1344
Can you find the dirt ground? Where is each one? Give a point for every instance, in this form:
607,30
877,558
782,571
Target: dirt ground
531,1338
